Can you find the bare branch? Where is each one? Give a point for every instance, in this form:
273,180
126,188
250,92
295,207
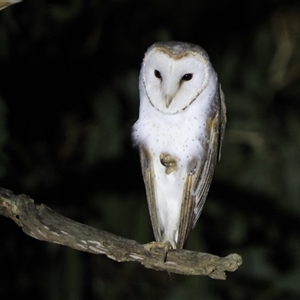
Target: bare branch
42,223
6,3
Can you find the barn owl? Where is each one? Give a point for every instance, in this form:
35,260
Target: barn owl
179,133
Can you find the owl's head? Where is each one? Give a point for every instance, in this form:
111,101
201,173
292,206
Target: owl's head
174,74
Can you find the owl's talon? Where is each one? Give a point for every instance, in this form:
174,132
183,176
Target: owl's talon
147,252
168,161
158,245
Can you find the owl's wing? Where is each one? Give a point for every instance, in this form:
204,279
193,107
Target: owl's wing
222,125
200,174
148,176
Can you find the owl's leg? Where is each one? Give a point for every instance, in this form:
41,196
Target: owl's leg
152,246
168,161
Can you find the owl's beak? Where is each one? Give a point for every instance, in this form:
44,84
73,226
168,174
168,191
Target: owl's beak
168,99
170,89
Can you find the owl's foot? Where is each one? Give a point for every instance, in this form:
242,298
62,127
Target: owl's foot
168,161
158,245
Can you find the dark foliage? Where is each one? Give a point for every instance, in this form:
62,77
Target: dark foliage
68,98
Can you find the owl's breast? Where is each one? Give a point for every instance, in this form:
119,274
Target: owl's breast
181,135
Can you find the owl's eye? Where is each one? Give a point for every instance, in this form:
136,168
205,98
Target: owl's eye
157,74
187,77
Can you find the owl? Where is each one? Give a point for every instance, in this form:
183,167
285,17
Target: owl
179,133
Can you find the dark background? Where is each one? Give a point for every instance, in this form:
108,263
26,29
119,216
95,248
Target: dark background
68,99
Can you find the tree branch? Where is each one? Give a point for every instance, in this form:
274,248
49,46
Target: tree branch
42,223
6,3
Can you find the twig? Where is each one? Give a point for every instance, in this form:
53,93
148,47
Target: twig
42,223
6,3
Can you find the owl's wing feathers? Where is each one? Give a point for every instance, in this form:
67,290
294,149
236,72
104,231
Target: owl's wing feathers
148,176
223,121
187,212
200,175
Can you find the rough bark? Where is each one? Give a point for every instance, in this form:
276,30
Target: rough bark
42,223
